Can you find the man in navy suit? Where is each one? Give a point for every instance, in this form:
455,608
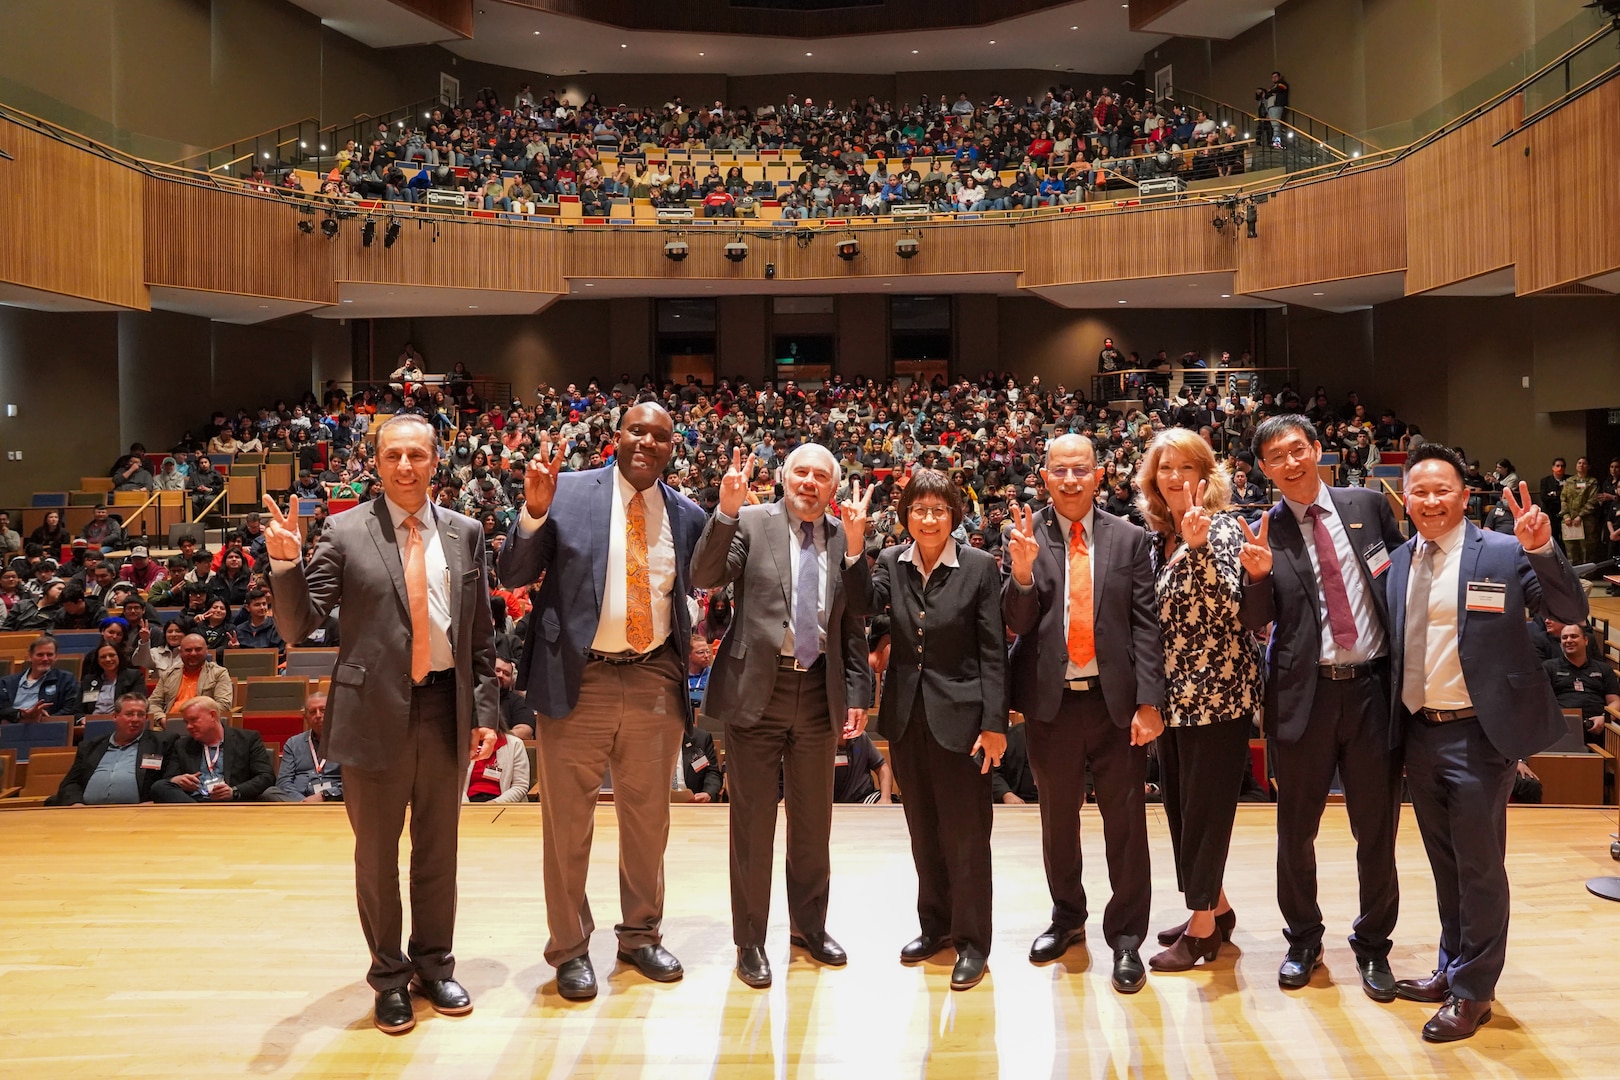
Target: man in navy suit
1472,699
1327,696
605,666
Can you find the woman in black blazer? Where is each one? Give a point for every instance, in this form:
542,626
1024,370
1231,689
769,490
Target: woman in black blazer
108,676
944,699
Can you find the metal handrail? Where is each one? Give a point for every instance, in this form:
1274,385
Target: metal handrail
246,138
198,515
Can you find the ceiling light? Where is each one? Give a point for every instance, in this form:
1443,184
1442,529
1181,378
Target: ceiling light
913,52
1124,301
348,301
1318,294
700,54
264,307
809,54
590,284
992,41
537,33
1226,296
624,46
472,307
1074,28
267,157
323,148
302,145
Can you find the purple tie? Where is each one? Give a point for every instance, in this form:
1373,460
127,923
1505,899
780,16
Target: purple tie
807,599
1338,600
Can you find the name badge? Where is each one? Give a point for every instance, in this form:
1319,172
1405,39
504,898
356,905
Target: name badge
1377,558
1579,687
700,763
321,787
152,761
492,772
840,760
1488,596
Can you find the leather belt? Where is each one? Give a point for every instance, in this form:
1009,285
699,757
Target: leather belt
433,678
1344,672
1446,716
791,663
1082,685
629,656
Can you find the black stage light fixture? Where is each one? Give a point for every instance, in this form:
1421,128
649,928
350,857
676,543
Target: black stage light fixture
306,227
368,232
848,249
907,247
737,250
675,250
329,227
391,234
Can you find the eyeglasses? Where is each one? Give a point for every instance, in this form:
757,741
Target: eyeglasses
1298,453
930,513
1079,472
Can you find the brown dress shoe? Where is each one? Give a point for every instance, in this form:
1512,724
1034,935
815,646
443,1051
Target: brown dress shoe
1435,989
1226,922
1186,953
1457,1019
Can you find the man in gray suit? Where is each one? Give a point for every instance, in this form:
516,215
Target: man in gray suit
413,687
791,676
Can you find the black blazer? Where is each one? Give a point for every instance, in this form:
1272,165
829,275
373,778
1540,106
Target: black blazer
1292,601
956,656
90,753
247,762
1125,624
130,681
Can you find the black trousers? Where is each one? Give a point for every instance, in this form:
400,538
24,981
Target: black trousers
1084,733
1460,784
1201,773
1348,731
949,815
426,776
795,740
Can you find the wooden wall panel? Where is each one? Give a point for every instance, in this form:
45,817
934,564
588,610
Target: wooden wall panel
454,15
1461,198
1136,244
230,242
945,249
1350,226
70,221
466,255
722,17
1568,227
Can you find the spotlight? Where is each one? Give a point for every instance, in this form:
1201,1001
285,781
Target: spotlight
329,228
907,248
391,234
675,250
1251,216
1219,223
737,251
306,227
848,249
770,271
368,232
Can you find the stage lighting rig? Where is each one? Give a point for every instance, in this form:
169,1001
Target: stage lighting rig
391,233
675,250
848,249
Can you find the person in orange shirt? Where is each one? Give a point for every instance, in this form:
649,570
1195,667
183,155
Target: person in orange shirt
196,675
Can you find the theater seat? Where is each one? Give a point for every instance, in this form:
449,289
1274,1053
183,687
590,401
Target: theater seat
276,727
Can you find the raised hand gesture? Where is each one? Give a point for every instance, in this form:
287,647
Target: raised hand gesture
540,477
283,540
853,515
1530,522
1022,546
1195,521
1256,553
734,485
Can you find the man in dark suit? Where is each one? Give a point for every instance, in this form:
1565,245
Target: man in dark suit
1472,699
1327,696
790,676
119,767
604,660
413,690
212,762
1088,675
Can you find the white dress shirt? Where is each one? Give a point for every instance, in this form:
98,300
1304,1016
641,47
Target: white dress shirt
946,558
440,654
1073,670
1369,634
795,555
1443,686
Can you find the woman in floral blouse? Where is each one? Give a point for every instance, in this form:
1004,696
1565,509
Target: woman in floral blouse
1203,559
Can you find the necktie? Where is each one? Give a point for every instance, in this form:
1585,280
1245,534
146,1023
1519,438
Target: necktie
1415,668
1082,647
1340,620
807,599
638,627
416,594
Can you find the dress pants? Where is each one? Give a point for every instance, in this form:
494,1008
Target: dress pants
629,717
1201,771
1084,733
1460,784
949,816
1349,731
426,775
794,739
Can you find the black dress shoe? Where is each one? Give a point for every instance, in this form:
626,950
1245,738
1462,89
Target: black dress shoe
445,995
1297,966
969,970
1377,981
752,967
1457,1019
1053,942
922,947
576,979
1434,989
821,947
653,961
392,1014
1129,974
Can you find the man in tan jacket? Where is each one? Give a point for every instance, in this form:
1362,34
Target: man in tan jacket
196,675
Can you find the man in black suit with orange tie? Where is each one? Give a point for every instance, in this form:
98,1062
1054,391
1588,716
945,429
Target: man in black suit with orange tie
1088,675
1327,695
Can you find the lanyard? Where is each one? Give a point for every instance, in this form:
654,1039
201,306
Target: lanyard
316,758
211,764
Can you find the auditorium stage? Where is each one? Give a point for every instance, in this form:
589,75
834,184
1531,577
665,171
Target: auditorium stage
163,942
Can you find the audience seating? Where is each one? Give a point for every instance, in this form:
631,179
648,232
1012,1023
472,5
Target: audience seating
39,734
95,727
311,663
174,726
77,641
243,663
8,774
262,694
70,662
273,726
46,768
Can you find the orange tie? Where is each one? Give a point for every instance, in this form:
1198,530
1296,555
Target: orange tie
1082,647
416,592
638,623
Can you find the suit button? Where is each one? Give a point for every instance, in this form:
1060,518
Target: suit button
920,614
919,667
784,624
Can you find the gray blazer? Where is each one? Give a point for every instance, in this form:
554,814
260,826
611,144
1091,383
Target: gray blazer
357,570
751,554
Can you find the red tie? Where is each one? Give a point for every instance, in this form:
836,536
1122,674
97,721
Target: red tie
1340,620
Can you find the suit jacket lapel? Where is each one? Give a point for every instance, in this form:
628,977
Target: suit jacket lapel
1400,567
601,522
1473,544
381,527
1102,546
830,531
1289,539
780,536
455,561
1349,514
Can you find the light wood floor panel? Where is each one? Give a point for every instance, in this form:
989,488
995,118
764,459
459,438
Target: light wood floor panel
163,942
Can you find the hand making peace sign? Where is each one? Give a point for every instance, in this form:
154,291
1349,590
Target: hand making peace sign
1195,521
1256,553
540,477
283,541
734,485
1022,546
1530,522
853,515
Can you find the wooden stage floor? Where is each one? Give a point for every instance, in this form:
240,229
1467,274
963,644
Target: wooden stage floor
223,942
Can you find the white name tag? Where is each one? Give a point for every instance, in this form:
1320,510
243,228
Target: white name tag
840,759
1377,558
151,761
700,763
492,772
1486,596
321,787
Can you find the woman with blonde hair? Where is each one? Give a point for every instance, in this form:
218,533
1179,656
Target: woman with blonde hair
1204,559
